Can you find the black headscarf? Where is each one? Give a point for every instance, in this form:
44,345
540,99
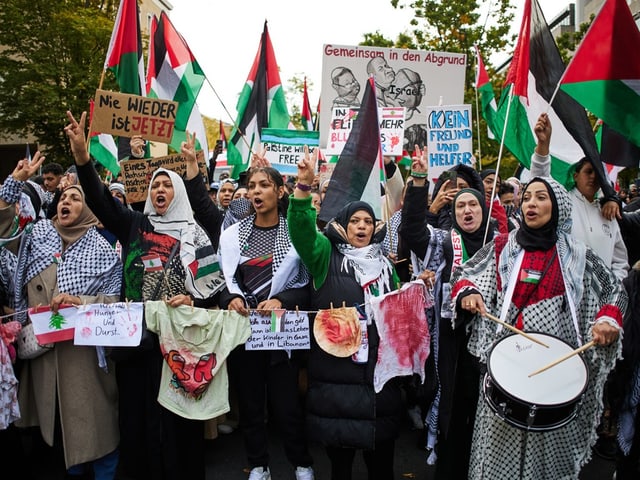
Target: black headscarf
545,237
336,229
472,241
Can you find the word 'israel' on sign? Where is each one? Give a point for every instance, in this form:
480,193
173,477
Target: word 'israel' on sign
282,330
127,115
449,138
285,148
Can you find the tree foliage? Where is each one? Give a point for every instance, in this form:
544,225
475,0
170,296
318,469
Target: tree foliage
52,59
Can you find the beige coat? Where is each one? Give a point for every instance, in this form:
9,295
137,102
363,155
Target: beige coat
87,397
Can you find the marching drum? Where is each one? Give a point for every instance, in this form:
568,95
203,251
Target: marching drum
542,402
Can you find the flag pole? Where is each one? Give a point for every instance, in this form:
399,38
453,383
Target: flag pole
235,125
478,129
88,139
495,179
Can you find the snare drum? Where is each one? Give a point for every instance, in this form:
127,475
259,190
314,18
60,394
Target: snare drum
544,402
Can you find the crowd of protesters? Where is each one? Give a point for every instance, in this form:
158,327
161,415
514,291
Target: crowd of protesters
496,258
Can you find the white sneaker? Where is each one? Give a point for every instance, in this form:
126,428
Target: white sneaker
225,429
304,473
260,473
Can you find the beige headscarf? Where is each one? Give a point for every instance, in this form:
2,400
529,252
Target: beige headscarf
84,222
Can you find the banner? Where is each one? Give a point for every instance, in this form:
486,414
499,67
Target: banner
286,147
125,115
410,79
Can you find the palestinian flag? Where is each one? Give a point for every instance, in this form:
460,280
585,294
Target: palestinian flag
103,148
359,171
174,74
615,149
124,57
531,81
604,74
261,104
307,120
487,97
223,136
277,320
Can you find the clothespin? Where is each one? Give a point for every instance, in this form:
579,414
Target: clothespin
192,305
297,311
344,304
331,305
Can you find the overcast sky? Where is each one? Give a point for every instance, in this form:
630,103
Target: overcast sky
225,38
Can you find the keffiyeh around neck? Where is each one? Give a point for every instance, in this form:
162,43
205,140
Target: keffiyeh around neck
178,223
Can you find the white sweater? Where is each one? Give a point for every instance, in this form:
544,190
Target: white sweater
589,226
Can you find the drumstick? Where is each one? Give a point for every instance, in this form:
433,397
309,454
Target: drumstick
515,330
562,359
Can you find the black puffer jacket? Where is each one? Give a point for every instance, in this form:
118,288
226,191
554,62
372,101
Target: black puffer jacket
342,408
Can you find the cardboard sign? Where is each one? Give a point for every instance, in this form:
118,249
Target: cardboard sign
450,138
286,147
137,173
283,330
109,324
391,121
127,115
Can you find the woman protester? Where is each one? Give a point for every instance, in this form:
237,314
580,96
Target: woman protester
66,261
452,368
263,272
156,442
539,279
348,267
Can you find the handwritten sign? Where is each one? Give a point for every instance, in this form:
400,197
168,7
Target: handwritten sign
137,173
110,325
450,138
391,120
127,115
286,147
283,330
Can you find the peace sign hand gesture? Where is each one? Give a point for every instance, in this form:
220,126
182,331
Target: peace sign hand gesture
25,169
188,151
306,173
77,139
419,167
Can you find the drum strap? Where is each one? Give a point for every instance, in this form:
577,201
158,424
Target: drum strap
513,278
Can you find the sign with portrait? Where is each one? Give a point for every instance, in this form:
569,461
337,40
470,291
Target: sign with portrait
412,79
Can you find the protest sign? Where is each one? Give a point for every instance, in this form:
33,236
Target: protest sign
282,330
391,120
109,324
127,115
412,79
450,138
137,173
286,147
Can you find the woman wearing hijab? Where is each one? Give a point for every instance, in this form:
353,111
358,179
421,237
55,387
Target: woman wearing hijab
439,212
348,266
539,278
453,371
156,442
66,261
263,272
